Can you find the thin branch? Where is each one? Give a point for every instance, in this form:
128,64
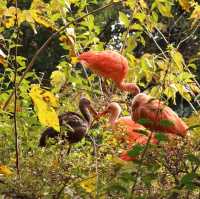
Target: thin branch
29,67
15,92
165,56
96,163
141,160
162,35
188,37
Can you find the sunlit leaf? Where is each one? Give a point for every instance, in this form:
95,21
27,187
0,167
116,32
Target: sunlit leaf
143,4
123,19
177,57
164,8
58,79
136,27
5,170
89,184
140,16
21,61
2,54
196,12
185,4
44,101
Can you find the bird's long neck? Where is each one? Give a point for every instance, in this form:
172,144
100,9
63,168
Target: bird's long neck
129,87
85,112
113,118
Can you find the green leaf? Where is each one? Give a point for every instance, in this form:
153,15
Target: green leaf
144,121
193,127
166,123
161,137
164,8
142,131
118,188
187,179
123,19
140,16
136,150
21,61
136,27
193,158
126,177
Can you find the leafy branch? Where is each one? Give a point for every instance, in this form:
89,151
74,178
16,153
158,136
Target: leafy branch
29,67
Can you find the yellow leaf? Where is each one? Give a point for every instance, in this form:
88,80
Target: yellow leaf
118,161
89,184
164,8
74,60
69,39
185,5
50,99
194,119
143,4
177,58
44,101
124,19
196,12
5,170
58,79
2,60
44,21
38,5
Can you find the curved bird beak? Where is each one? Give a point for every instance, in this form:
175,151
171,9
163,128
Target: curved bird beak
93,112
100,114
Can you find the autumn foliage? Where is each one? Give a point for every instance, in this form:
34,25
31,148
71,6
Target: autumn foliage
41,77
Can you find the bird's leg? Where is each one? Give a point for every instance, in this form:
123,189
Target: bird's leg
104,87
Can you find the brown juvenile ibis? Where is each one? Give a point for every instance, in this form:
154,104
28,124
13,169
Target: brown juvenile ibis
75,126
131,129
109,64
157,116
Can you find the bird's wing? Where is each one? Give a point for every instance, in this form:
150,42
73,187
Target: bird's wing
72,119
156,116
110,65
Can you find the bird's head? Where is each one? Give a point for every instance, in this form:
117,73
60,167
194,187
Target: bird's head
84,102
113,109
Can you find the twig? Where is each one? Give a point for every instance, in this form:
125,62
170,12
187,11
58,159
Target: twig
141,160
164,54
15,93
182,41
96,163
48,41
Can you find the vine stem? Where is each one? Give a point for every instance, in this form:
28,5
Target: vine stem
29,67
15,91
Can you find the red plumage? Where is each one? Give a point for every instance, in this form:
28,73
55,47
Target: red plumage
129,128
109,64
159,116
133,136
